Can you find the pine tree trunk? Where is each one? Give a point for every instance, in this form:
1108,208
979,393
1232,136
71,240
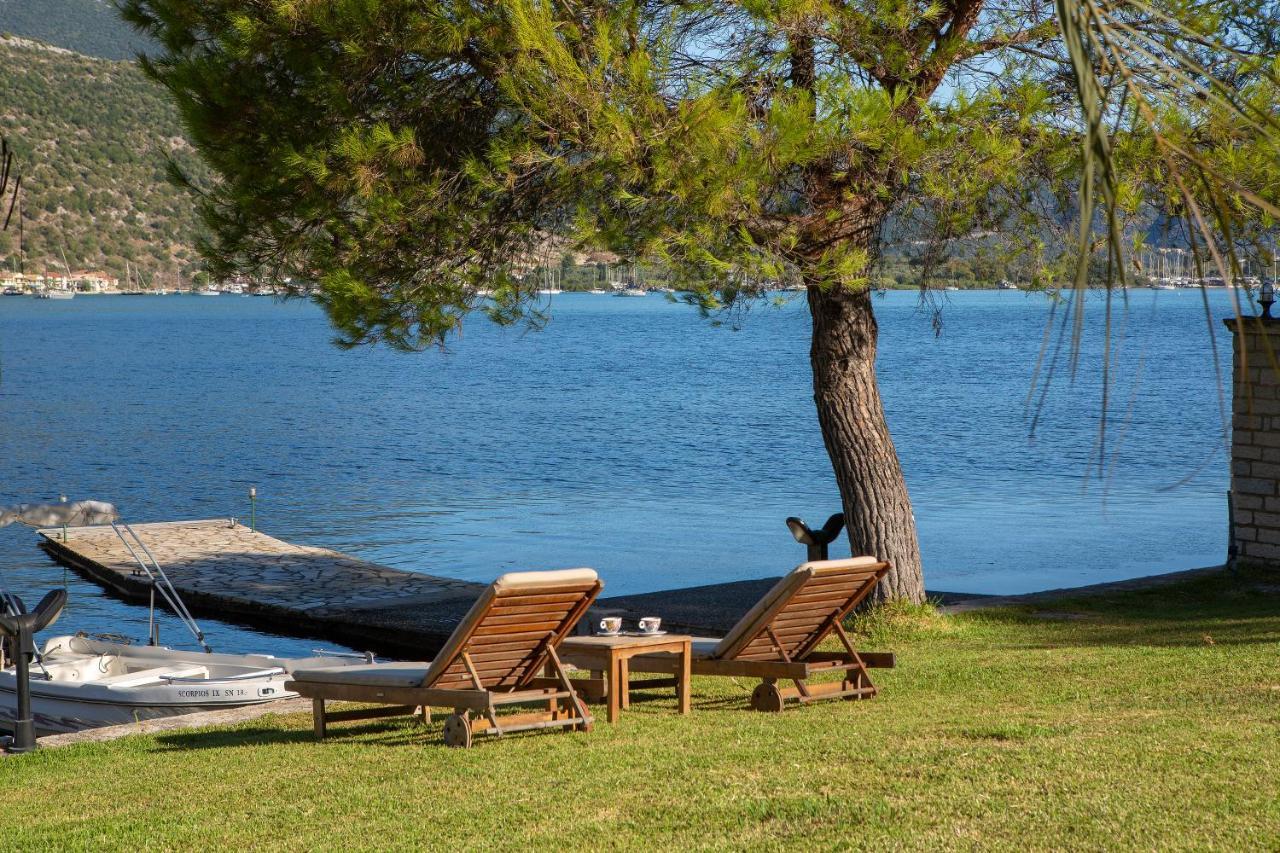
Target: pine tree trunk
877,508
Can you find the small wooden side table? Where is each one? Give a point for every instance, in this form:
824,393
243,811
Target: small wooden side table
610,654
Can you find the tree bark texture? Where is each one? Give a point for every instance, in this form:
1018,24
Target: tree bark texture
877,507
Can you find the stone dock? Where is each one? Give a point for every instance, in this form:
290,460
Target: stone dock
225,570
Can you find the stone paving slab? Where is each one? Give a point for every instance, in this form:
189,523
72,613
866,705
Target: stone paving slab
224,569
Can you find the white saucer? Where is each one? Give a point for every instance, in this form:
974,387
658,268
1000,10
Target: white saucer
646,633
608,634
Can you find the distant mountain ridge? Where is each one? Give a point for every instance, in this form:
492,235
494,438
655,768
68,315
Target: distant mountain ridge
91,27
94,140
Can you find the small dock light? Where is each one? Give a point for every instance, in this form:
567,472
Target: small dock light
63,499
1267,298
253,508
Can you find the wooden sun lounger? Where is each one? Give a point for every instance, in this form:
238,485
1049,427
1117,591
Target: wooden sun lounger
778,638
502,653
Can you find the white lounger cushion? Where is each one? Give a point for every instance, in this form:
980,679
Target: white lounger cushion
529,581
768,606
398,674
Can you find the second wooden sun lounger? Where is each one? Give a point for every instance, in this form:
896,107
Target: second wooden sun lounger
502,653
778,638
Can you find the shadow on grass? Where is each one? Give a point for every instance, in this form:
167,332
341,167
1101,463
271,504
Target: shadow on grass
402,732
365,734
222,738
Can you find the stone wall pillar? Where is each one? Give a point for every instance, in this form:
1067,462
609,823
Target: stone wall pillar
1255,441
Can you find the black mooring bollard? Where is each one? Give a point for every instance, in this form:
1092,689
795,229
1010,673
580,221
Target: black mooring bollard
20,629
816,540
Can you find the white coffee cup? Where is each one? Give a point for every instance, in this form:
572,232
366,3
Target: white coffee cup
611,624
650,625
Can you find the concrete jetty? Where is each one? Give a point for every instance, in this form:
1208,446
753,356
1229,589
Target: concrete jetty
225,570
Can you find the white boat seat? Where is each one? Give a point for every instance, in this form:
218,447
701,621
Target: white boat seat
390,674
154,675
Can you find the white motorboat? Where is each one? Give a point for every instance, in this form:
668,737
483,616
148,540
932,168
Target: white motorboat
81,682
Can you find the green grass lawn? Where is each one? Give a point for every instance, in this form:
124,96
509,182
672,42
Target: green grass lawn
1144,719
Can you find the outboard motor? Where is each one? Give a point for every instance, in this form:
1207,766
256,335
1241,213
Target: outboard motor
817,541
10,605
18,629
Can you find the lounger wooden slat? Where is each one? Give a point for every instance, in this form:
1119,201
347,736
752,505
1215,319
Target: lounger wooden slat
777,639
789,635
520,637
495,658
492,653
520,617
819,597
823,607
802,619
489,649
500,608
536,600
831,579
500,629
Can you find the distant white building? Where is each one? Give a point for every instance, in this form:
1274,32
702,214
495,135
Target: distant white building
93,281
22,281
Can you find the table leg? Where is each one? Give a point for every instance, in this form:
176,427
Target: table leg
624,682
682,681
615,690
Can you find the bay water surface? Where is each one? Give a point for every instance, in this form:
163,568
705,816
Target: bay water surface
630,435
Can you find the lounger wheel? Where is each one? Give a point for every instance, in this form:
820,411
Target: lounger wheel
766,697
457,731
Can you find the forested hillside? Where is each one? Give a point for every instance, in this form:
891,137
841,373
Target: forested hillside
93,137
86,26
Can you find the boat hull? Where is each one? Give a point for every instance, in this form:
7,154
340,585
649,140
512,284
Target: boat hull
55,715
93,683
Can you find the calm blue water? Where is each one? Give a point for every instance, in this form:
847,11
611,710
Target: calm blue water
629,435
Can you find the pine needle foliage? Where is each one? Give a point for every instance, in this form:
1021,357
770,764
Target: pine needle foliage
398,157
